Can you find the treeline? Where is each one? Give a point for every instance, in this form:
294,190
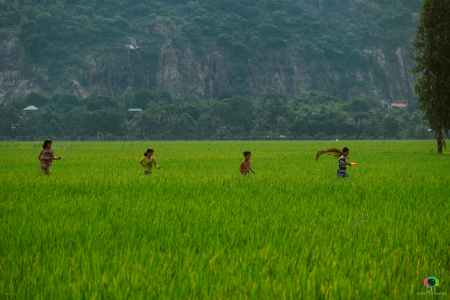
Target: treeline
313,116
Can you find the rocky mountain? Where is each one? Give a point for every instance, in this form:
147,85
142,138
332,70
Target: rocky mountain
164,54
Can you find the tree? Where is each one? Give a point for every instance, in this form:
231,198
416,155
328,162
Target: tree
359,105
216,122
36,100
281,124
142,98
144,121
202,121
241,111
275,107
430,52
221,109
372,126
240,49
24,21
97,102
54,128
186,122
172,123
127,98
64,102
129,126
391,126
259,125
6,119
222,131
297,126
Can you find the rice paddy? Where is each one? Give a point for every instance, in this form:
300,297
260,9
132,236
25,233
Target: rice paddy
98,228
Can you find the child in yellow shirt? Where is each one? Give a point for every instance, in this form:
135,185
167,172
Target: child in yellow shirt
148,161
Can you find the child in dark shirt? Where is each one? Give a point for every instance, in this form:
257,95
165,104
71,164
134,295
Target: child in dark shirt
343,156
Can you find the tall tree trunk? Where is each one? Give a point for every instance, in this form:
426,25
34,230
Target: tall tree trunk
439,141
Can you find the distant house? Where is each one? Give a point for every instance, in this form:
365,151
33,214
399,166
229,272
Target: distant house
30,109
134,110
388,105
399,105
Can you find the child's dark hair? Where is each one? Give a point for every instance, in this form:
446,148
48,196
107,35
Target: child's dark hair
246,153
46,142
150,150
345,149
145,154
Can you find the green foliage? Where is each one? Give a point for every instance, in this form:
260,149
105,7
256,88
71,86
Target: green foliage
313,115
99,228
220,109
315,97
394,18
54,129
100,102
64,102
391,126
358,105
226,94
63,30
141,99
430,51
297,126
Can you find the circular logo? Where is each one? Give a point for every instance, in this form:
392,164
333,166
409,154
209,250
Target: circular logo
431,282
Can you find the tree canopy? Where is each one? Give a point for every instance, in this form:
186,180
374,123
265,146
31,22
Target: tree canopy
313,116
430,51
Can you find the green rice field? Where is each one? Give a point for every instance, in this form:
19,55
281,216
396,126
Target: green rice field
98,228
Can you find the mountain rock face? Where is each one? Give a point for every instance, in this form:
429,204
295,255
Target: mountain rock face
17,78
179,67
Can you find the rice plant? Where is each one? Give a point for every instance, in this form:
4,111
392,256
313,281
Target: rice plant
100,228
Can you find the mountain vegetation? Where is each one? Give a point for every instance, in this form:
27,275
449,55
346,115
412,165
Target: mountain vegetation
330,34
335,38
59,30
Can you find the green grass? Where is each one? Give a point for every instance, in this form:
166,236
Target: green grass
99,229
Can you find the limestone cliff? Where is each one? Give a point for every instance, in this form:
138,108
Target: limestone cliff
175,65
17,78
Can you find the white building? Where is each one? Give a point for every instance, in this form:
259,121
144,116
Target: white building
30,109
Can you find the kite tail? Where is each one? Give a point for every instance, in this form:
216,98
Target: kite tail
332,151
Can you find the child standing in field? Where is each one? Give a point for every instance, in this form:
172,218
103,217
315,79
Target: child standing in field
46,156
245,166
343,156
147,161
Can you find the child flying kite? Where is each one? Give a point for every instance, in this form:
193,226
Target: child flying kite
343,156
